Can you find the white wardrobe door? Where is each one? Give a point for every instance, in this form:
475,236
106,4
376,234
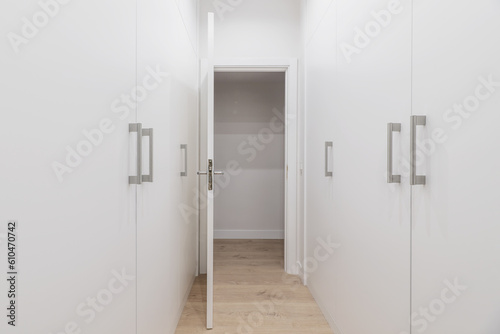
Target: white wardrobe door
456,230
167,220
65,165
320,67
351,98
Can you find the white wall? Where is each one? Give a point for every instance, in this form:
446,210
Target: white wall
251,204
254,28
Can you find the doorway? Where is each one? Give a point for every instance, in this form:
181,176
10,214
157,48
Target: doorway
210,170
292,232
249,145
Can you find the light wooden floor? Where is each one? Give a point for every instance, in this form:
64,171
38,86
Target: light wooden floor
252,294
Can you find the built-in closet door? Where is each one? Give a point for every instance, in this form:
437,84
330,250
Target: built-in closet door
65,67
371,213
456,216
167,109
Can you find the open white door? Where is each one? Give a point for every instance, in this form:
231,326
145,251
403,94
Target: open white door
207,168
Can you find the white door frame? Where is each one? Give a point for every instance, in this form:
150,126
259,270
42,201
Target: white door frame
288,66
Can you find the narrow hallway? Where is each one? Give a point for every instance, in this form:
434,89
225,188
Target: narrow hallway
252,294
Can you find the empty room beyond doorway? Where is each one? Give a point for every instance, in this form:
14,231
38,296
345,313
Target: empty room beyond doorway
250,134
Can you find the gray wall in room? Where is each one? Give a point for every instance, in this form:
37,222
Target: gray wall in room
250,204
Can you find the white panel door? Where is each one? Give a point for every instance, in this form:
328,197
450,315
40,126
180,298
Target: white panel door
68,69
456,219
166,238
207,172
371,217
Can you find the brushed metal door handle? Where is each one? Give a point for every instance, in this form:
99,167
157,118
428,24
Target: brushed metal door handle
137,128
391,128
149,133
184,148
328,148
414,178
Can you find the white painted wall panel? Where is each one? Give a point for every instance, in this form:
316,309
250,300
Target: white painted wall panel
257,28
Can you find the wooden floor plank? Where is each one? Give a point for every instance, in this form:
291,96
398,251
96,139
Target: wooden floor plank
252,294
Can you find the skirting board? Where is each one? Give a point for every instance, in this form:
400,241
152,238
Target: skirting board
248,234
328,316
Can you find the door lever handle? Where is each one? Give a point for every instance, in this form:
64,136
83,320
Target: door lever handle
210,173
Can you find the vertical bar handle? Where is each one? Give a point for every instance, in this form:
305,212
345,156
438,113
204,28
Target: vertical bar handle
149,133
328,147
391,128
414,178
184,148
137,128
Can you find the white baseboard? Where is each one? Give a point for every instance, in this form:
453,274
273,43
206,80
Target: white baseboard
328,316
249,234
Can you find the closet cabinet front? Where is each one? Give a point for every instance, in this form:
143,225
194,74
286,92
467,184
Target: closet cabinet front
455,215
